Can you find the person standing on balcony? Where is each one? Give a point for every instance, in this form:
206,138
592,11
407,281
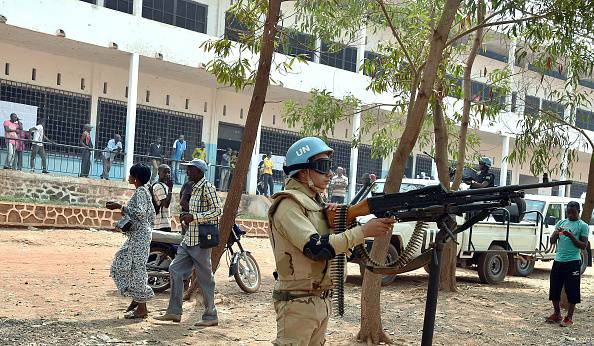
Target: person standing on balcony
177,155
267,166
156,157
10,134
20,147
225,170
200,152
114,146
87,146
38,135
339,184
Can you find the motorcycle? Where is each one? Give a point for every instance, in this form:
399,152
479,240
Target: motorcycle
242,265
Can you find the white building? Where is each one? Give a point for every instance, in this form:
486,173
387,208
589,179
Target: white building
135,67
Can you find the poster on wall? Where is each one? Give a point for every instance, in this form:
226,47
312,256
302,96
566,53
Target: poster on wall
27,114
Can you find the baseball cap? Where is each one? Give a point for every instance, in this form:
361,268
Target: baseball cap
200,164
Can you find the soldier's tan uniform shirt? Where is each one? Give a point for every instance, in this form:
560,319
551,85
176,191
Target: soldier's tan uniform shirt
295,215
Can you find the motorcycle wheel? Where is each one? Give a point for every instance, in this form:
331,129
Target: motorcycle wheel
247,274
158,262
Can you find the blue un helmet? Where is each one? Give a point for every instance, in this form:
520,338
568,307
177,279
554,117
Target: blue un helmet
301,152
485,161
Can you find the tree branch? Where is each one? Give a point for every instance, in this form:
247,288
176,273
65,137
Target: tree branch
397,36
485,25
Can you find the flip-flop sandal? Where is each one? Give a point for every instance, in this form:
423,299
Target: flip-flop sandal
132,306
132,315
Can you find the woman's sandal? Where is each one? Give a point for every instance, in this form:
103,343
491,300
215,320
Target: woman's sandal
132,306
131,315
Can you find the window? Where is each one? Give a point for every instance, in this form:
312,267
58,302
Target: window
584,119
94,2
234,29
182,13
65,113
587,83
345,58
533,205
367,164
482,92
372,64
424,165
491,54
550,73
554,211
514,101
577,189
532,105
120,5
294,43
551,106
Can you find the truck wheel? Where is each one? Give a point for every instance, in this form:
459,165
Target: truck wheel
392,255
584,261
519,267
493,266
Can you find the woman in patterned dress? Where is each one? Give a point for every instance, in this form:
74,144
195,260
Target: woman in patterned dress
128,269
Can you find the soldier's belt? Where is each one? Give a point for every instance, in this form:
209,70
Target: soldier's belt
285,296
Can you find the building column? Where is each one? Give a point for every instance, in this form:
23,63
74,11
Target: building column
386,163
504,155
95,84
210,133
101,3
414,166
354,155
131,112
434,175
137,8
252,181
318,50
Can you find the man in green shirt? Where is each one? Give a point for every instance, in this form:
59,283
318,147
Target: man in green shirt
571,236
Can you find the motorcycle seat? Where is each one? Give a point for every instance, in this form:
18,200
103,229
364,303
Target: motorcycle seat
166,237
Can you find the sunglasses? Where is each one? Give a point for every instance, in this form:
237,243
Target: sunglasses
322,166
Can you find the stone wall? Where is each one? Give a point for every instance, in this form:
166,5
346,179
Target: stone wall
62,190
60,216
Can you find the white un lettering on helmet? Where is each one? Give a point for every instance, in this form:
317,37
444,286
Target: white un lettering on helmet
303,150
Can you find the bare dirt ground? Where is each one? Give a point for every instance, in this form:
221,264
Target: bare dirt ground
56,290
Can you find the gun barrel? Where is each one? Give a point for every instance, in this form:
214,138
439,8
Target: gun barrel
510,188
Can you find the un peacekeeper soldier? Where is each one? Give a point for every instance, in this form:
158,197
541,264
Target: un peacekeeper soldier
303,245
484,178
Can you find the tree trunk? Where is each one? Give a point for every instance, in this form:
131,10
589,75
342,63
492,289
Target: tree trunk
468,98
250,131
371,325
447,279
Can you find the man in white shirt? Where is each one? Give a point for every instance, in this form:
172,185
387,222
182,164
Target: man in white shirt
161,191
339,184
37,137
113,147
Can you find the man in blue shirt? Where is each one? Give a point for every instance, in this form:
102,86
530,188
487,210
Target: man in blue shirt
177,154
571,236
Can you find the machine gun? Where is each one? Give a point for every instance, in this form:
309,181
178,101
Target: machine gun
430,204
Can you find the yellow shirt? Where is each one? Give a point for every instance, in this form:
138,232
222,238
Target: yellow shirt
199,153
267,166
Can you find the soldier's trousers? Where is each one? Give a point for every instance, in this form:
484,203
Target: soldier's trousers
302,321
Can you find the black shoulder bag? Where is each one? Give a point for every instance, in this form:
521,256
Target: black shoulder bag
208,234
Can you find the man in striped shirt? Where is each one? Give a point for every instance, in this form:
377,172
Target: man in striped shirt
205,208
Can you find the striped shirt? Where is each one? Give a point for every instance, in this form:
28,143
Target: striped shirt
205,207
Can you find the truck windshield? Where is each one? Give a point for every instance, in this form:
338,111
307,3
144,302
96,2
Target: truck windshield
533,205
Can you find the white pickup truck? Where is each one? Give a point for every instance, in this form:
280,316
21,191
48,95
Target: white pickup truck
495,247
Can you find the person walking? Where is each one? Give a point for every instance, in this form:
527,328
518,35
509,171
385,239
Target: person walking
225,170
87,146
571,237
205,209
128,268
339,185
267,166
20,147
303,245
161,193
177,155
37,147
156,157
114,146
11,127
200,152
